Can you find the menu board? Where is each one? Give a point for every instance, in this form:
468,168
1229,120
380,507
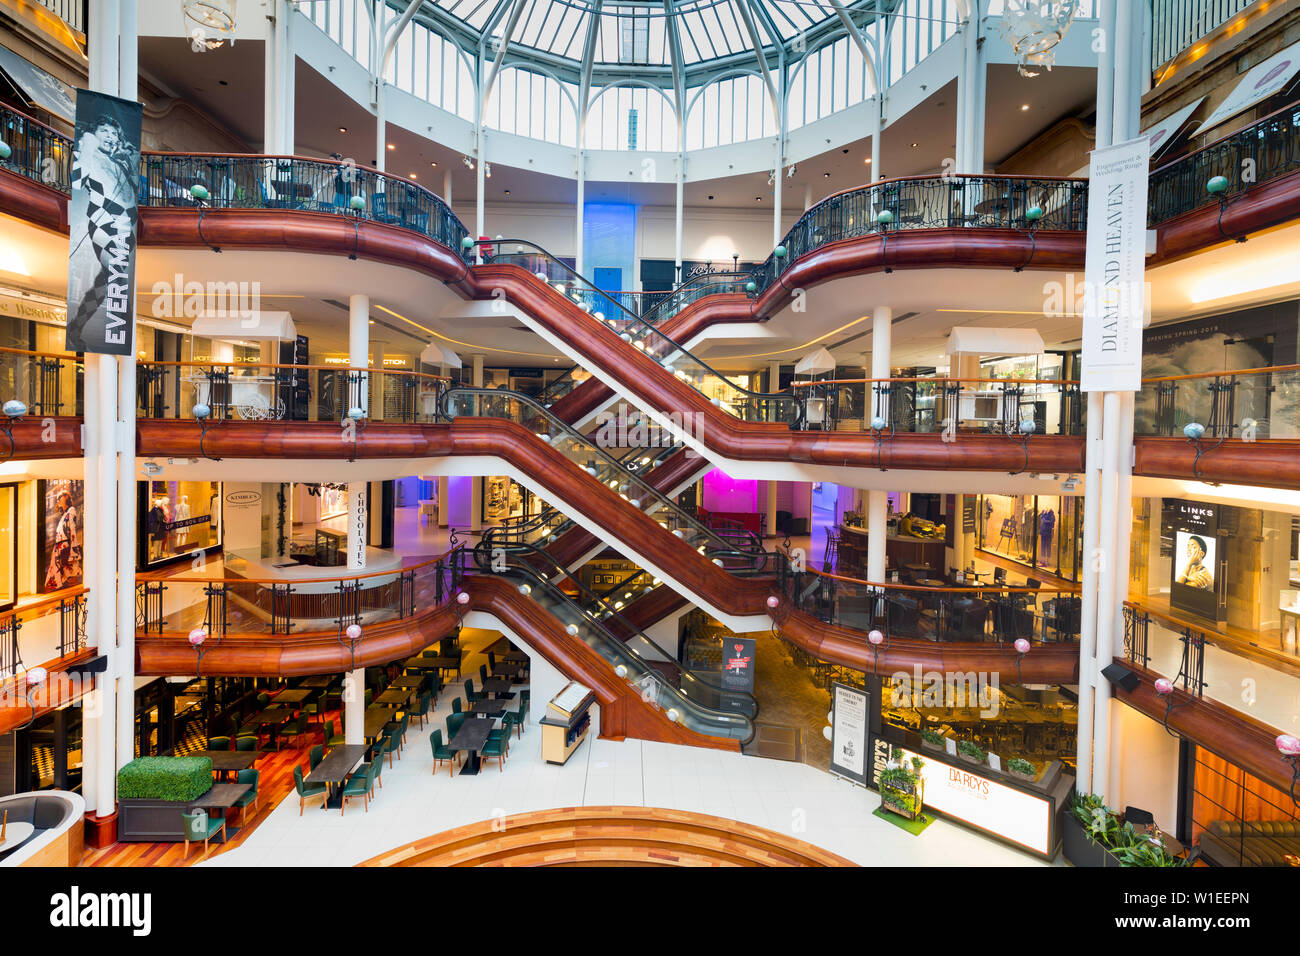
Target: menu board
570,698
738,655
849,732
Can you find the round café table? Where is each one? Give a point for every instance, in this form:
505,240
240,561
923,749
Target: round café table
16,833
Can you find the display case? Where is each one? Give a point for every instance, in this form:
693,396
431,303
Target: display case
567,720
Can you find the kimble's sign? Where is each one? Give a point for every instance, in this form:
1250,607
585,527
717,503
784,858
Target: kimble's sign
1115,308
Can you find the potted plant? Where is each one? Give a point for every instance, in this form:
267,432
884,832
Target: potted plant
932,739
970,751
1095,835
901,791
1019,767
153,792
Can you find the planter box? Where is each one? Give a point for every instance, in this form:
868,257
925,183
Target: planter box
151,821
1079,848
975,760
929,746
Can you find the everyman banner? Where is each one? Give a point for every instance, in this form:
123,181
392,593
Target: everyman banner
102,220
1114,304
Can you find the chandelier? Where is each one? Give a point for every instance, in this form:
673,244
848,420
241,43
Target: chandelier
209,22
1033,28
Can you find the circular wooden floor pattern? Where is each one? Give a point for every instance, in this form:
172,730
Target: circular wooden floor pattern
609,836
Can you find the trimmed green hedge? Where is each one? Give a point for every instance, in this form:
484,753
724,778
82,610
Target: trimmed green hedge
180,779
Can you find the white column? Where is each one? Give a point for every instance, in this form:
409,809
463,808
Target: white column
476,494
881,336
777,179
480,158
446,186
580,217
1107,590
677,221
270,86
444,502
358,351
773,376
377,380
285,63
354,698
99,738
807,196
128,71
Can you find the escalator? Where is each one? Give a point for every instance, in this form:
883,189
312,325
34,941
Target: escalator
686,698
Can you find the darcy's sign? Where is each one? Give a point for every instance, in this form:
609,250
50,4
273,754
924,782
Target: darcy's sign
1114,305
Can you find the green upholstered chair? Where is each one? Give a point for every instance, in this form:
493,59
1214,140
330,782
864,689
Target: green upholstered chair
246,743
453,724
263,699
218,743
470,696
496,748
249,777
521,716
421,709
316,755
292,731
441,752
456,705
306,790
359,785
482,674
200,826
332,739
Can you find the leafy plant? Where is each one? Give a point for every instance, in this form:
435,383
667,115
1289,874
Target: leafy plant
898,778
932,737
917,764
895,754
1019,765
969,748
178,779
1105,828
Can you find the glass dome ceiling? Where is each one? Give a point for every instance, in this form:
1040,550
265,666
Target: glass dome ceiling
637,39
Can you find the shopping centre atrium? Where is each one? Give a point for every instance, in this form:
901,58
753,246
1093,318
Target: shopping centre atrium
780,432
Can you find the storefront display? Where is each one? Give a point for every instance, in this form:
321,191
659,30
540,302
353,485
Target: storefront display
180,518
9,546
60,545
1197,558
1038,531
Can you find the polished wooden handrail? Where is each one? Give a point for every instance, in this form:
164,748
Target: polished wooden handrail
44,605
150,577
898,586
301,368
911,179
63,356
1266,370
936,379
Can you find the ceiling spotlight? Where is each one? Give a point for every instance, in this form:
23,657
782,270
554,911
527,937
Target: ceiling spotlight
507,192
789,173
758,199
433,164
914,145
343,129
469,163
826,175
1024,107
392,146
487,170
867,160
710,198
412,175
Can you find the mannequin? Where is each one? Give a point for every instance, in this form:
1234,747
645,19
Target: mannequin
182,514
1046,530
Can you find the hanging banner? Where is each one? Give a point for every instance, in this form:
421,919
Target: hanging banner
1115,309
849,732
102,220
1165,132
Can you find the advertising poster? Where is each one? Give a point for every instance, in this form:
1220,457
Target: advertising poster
738,655
849,732
1195,565
102,219
61,545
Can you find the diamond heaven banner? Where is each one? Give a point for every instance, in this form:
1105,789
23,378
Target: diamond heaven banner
1114,305
102,219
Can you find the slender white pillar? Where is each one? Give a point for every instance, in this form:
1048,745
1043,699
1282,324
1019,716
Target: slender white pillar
677,221
128,71
777,179
446,187
270,86
774,376
807,196
877,513
1108,590
358,352
580,217
476,493
99,738
772,487
1088,592
444,502
480,148
285,64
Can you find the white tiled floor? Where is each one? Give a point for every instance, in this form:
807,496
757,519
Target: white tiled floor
789,798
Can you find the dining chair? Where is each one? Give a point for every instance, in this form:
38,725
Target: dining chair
482,674
470,696
453,724
332,739
358,785
200,826
218,743
246,743
307,790
456,705
292,730
249,777
441,752
495,748
521,716
316,755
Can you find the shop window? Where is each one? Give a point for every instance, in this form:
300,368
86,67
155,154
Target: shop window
180,519
1041,532
1237,819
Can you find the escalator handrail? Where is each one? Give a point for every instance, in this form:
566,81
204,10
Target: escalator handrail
721,546
483,558
647,328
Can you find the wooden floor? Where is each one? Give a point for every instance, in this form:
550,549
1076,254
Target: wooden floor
275,782
609,836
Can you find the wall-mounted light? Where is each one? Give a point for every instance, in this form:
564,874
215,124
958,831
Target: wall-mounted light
1165,688
14,410
1289,747
1026,429
1194,432
1022,647
34,678
202,413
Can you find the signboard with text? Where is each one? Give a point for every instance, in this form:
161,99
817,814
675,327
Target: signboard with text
738,655
849,718
1115,309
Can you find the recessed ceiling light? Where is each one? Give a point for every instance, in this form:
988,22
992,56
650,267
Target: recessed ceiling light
710,197
914,145
222,83
343,129
826,175
758,199
412,175
394,146
433,164
507,192
1024,107
867,160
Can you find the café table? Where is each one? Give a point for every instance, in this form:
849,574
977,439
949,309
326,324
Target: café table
318,681
292,696
498,686
407,682
471,737
335,768
222,797
376,719
228,761
518,657
394,698
488,707
500,647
